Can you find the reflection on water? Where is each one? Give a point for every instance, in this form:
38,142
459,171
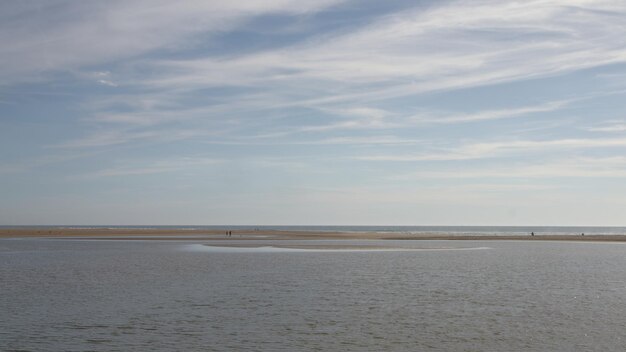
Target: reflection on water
307,248
139,295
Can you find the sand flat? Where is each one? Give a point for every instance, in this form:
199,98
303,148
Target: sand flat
244,235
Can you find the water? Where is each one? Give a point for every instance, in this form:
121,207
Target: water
77,295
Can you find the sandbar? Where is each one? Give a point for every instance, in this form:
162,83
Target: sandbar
251,234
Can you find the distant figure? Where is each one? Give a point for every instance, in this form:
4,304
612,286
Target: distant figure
582,234
230,233
532,233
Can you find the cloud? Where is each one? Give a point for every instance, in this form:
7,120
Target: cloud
106,138
46,36
151,124
346,74
458,44
604,167
353,140
155,167
25,165
107,83
498,149
609,127
496,114
114,137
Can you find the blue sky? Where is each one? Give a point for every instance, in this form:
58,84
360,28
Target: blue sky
324,112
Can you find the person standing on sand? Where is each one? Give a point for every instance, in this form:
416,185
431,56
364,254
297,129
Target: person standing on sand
532,233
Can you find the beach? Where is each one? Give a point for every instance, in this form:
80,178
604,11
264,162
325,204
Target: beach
269,234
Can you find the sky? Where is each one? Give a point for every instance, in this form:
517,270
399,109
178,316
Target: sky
327,112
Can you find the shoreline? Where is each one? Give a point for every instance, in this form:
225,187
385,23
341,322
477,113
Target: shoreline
243,235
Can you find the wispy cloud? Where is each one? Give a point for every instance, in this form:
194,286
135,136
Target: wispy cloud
43,161
389,140
498,149
457,44
609,126
476,98
136,168
114,137
43,36
105,138
346,74
605,167
496,114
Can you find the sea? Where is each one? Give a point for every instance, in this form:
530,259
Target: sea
372,295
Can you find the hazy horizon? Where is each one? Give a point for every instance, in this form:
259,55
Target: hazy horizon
459,113
339,227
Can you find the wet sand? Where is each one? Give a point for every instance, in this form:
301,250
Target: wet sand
243,235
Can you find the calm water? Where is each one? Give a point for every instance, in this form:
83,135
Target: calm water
70,295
